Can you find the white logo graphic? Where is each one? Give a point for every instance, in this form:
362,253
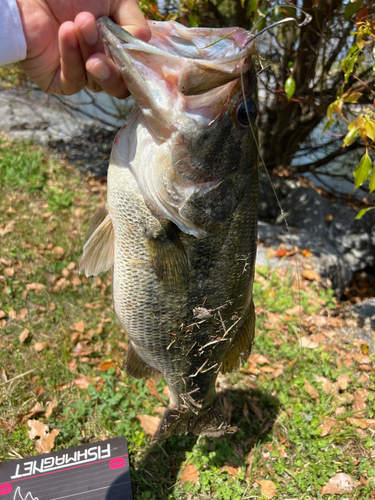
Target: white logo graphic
18,496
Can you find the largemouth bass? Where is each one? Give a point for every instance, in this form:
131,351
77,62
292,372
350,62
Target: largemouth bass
180,226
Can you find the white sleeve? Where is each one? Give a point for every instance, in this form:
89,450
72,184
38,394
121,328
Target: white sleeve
12,40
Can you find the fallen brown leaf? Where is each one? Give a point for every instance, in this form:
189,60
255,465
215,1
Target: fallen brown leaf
23,335
311,390
272,320
72,365
46,441
232,471
79,326
160,410
279,371
103,367
327,385
338,485
39,391
365,368
358,422
37,428
37,408
364,481
152,387
7,229
249,460
294,310
245,412
258,358
76,281
362,359
305,342
267,369
340,410
82,350
149,424
82,382
35,287
100,384
91,306
12,314
189,474
23,313
267,488
256,410
39,346
343,379
52,405
58,252
311,275
359,402
319,338
327,425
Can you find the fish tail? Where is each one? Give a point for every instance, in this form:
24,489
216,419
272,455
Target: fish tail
210,422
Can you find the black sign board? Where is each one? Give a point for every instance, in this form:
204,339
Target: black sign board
96,471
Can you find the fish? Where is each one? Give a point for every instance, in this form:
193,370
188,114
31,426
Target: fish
179,229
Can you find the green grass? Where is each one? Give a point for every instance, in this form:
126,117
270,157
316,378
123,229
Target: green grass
45,206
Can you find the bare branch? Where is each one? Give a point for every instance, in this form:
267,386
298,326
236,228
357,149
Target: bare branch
309,167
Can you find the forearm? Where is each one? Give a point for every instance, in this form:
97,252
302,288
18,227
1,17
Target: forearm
12,41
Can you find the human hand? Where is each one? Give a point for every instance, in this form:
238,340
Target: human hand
65,52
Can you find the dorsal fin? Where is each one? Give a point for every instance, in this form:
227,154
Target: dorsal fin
98,252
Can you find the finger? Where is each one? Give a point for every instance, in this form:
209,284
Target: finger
89,41
127,14
104,72
72,74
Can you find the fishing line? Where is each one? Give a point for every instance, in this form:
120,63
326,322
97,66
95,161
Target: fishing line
307,20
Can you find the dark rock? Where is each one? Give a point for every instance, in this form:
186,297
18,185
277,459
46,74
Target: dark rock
366,309
325,257
365,312
305,208
355,238
350,240
91,150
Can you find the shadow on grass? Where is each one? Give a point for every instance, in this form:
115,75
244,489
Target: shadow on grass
253,412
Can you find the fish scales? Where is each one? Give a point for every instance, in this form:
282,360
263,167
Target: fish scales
180,226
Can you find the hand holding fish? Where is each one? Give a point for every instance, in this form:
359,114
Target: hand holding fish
64,50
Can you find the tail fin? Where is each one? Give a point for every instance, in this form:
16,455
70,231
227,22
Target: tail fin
209,422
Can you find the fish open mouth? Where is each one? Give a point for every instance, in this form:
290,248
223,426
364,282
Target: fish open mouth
186,82
206,57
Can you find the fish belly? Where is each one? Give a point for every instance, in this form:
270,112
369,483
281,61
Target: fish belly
160,277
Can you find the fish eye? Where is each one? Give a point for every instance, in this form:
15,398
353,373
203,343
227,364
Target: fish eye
245,111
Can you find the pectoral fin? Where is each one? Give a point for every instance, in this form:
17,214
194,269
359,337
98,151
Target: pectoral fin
98,252
241,345
168,257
